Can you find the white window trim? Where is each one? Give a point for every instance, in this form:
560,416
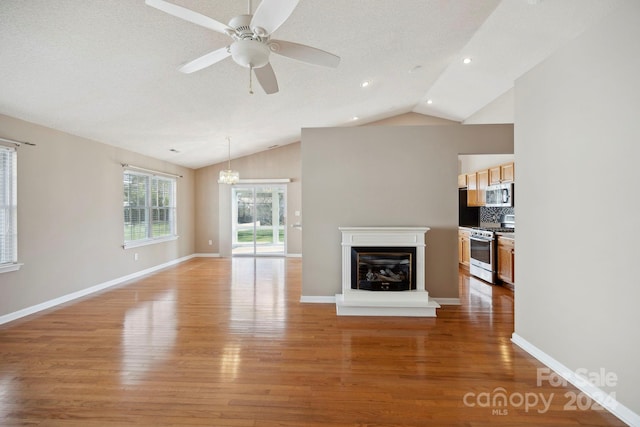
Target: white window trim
153,240
6,268
15,265
147,242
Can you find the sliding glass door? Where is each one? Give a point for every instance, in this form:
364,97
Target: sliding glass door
258,220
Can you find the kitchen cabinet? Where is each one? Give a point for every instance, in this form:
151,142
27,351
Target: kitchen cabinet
495,176
506,257
501,173
462,180
477,187
507,172
482,181
464,247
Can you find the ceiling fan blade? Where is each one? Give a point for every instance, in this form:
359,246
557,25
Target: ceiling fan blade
304,53
267,79
270,14
190,15
205,60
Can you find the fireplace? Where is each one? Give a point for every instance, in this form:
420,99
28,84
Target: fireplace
383,268
383,272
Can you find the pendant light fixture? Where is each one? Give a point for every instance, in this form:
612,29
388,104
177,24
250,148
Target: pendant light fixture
228,176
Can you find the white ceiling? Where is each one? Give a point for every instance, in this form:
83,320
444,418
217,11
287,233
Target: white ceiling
107,70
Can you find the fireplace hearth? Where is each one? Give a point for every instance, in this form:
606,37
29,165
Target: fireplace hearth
383,272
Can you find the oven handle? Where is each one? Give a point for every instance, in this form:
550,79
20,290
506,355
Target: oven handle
481,239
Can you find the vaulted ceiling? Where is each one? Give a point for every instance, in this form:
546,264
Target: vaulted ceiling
107,70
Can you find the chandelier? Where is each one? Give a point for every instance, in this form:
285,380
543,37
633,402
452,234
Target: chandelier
228,176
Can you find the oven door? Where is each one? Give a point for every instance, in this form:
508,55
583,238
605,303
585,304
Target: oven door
482,252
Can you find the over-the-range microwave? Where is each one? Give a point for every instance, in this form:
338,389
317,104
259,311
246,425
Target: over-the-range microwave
499,195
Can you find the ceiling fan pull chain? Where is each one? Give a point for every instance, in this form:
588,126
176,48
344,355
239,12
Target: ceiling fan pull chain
250,80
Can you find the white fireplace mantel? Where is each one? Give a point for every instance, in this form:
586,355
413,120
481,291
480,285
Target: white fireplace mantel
357,302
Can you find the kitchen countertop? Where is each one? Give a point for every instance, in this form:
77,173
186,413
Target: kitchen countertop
504,234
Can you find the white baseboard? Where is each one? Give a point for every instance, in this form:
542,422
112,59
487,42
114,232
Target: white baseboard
294,255
447,301
595,393
87,291
206,255
330,299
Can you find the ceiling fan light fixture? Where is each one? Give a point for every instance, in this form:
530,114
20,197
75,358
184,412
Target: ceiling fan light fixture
229,176
250,53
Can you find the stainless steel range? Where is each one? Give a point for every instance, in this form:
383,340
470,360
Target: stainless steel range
483,249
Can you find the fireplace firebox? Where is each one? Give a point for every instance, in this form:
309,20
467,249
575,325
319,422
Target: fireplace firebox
383,268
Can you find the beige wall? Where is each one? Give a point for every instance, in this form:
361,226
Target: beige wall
70,226
387,176
577,151
213,209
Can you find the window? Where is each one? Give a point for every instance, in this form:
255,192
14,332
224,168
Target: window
149,208
8,209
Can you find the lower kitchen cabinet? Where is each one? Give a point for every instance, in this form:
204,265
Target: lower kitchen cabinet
506,259
464,247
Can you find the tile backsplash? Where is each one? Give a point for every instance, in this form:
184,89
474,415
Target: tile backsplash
492,216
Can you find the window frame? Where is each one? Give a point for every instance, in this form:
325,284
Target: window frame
9,186
149,207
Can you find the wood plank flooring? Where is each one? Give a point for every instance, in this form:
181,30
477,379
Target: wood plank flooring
226,342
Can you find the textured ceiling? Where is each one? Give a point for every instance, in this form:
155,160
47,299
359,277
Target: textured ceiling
107,70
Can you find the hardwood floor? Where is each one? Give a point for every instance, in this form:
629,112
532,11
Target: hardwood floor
226,342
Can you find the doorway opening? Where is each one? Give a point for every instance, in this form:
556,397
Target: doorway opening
258,220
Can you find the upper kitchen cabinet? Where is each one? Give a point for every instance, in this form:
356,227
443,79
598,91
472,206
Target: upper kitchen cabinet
507,172
502,173
482,178
477,187
472,190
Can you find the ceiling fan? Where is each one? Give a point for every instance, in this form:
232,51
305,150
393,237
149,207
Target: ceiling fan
252,43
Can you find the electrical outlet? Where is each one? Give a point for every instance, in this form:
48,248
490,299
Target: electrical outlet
135,256
210,242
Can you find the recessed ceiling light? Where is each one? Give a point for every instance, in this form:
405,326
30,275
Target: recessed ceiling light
429,101
467,60
355,118
365,83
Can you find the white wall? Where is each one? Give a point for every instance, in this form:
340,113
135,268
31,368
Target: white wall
387,176
577,149
70,223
